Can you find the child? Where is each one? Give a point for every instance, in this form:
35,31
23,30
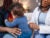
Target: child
18,20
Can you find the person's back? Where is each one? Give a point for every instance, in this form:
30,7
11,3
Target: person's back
26,31
22,24
17,12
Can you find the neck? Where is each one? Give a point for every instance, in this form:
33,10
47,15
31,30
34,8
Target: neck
44,9
14,16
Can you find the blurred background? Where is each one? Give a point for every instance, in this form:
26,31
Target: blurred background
27,4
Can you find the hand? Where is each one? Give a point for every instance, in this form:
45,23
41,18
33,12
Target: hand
15,31
34,26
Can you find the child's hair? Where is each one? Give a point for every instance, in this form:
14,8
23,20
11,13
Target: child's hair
18,6
18,13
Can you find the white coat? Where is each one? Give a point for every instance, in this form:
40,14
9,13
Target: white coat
44,29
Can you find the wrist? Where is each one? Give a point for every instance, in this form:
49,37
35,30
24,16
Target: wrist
4,29
7,29
38,28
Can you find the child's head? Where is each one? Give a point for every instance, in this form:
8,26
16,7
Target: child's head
17,9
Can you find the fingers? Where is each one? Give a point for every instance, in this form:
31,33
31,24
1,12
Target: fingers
18,29
31,25
18,32
15,36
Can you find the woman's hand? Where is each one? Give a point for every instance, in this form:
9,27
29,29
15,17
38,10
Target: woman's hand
34,26
15,31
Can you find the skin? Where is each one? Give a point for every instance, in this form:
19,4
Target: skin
49,2
44,5
10,30
44,9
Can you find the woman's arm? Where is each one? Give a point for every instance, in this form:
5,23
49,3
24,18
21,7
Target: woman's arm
34,26
3,29
44,29
33,16
10,30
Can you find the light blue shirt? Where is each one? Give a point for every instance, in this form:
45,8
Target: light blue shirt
42,17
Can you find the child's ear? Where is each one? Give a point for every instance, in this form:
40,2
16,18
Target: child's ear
10,19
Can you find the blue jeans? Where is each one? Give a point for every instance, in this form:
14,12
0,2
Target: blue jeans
42,36
8,36
24,35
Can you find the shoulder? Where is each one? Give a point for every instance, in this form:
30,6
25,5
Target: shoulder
21,18
36,9
24,19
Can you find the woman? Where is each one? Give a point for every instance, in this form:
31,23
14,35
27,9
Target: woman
40,22
3,28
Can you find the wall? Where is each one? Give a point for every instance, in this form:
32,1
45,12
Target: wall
1,3
31,3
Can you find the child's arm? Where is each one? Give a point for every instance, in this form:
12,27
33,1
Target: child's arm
11,24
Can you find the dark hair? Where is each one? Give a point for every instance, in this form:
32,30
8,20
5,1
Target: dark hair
6,4
40,4
18,13
40,7
18,5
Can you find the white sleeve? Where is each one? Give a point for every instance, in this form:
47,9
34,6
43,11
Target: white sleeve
33,15
44,29
32,18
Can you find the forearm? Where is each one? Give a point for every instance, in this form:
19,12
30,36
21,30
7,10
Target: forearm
31,24
4,29
34,26
44,29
